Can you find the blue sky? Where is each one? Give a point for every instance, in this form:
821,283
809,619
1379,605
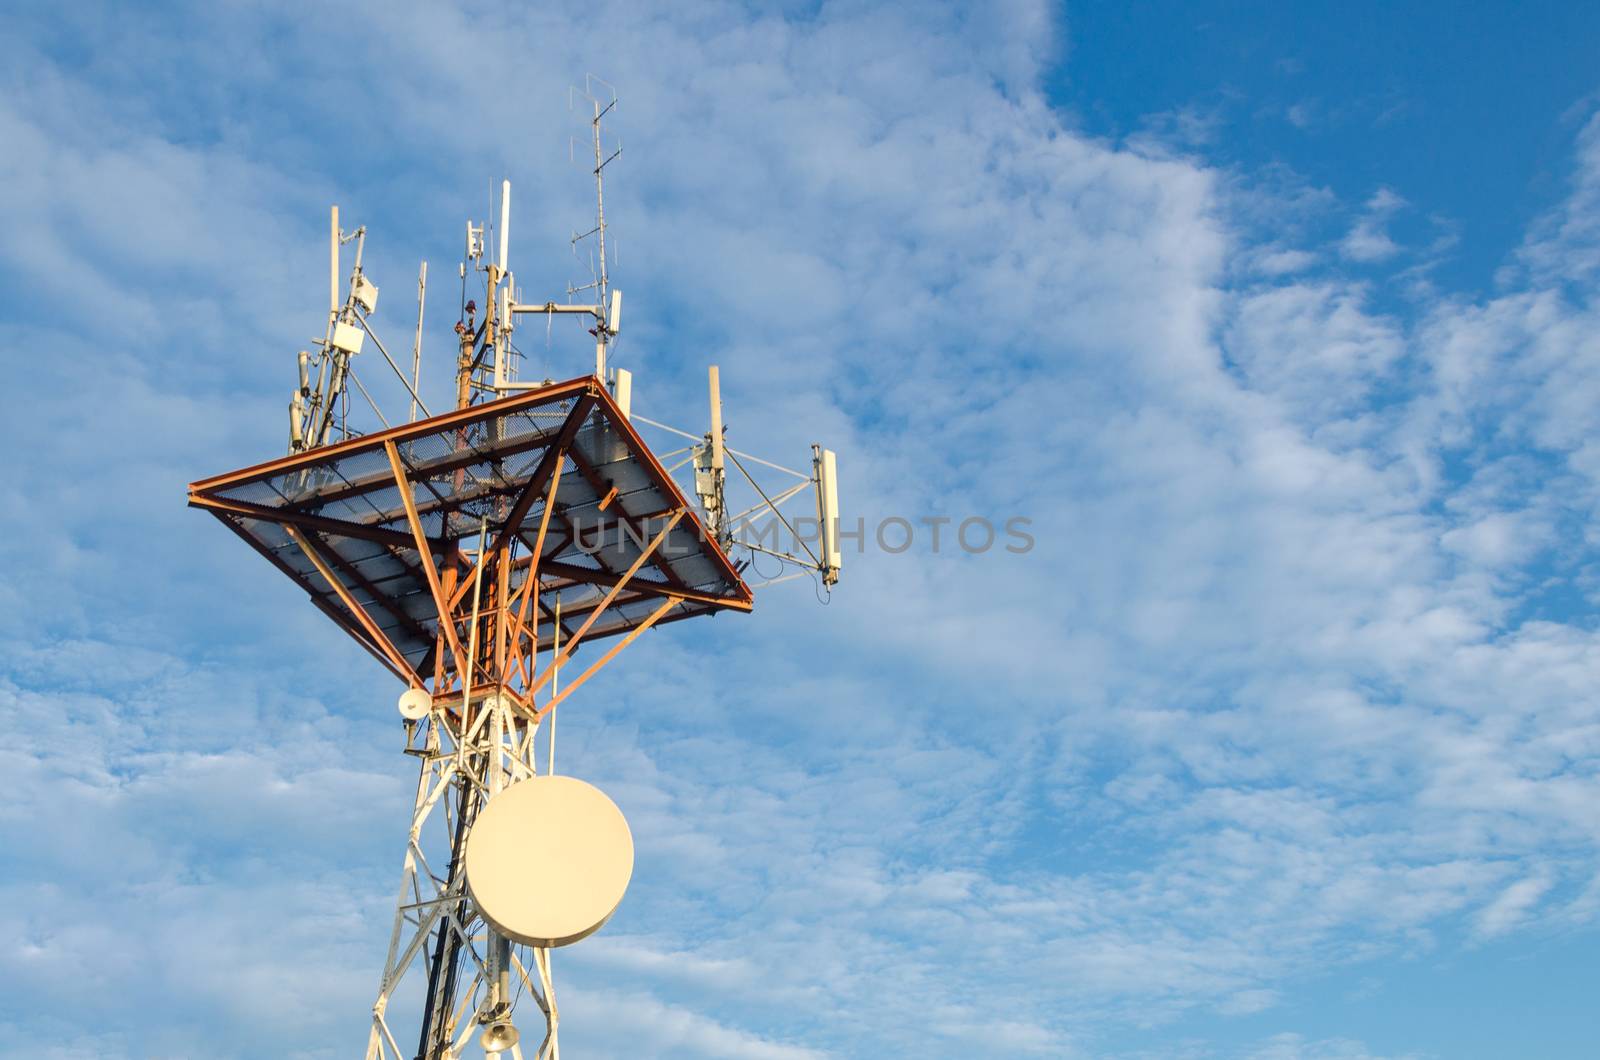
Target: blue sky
1355,98
1281,328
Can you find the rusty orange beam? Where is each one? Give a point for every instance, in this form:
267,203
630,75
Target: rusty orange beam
377,535
367,624
549,466
383,439
554,458
666,605
577,636
585,576
355,632
663,480
530,586
440,600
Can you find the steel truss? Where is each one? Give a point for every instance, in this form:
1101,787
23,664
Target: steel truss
479,738
445,548
473,977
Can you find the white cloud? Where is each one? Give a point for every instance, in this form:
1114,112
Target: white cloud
1565,244
1291,1046
630,1022
1369,240
1512,907
1247,1002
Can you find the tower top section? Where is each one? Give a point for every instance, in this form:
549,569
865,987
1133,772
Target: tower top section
373,528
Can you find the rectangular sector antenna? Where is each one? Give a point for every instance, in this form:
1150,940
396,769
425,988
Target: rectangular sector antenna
367,294
828,513
347,337
623,391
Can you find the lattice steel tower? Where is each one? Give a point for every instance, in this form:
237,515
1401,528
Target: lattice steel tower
473,553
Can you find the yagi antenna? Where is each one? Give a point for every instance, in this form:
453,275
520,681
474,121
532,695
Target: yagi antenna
606,307
601,284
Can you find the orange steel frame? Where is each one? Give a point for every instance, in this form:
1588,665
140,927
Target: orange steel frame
482,668
487,640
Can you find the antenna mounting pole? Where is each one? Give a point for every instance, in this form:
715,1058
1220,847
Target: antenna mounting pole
333,261
416,345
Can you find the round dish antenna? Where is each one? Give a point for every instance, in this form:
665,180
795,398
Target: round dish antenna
415,704
548,860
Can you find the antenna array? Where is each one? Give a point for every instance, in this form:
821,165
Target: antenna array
452,548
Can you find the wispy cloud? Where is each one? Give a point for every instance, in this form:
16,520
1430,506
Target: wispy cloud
1369,240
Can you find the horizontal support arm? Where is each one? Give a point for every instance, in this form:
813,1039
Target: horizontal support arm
552,307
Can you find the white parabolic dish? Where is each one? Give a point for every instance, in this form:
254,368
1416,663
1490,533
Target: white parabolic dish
548,860
415,704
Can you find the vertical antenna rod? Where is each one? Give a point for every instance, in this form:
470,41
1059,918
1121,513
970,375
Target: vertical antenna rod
333,261
416,344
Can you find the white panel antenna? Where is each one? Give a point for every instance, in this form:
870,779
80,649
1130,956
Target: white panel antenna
710,474
319,411
825,466
347,337
718,458
366,294
505,222
622,390
759,529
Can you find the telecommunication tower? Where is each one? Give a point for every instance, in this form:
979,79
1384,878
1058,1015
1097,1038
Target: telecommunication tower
474,553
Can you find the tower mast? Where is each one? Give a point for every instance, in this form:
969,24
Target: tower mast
473,553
